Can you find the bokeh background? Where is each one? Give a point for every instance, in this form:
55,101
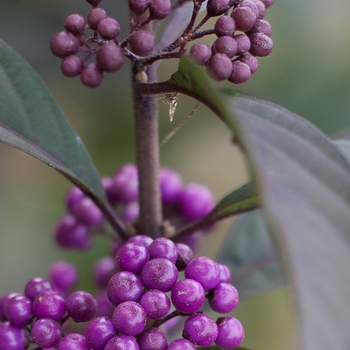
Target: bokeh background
308,73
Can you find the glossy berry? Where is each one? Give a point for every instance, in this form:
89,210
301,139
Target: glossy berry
91,75
170,183
217,7
261,45
138,6
159,274
110,57
73,341
200,329
122,342
155,303
225,25
36,286
196,200
152,339
129,318
18,310
124,286
244,18
124,187
75,24
225,44
205,271
3,301
108,28
12,337
163,248
132,257
104,269
188,295
142,42
63,275
225,273
230,333
95,16
49,304
159,9
71,66
185,255
63,44
143,240
224,298
200,53
46,333
219,67
181,344
240,72
81,306
251,61
98,332
87,212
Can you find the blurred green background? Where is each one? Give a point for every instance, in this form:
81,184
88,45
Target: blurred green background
308,73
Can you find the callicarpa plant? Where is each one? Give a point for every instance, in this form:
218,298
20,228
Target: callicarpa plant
153,290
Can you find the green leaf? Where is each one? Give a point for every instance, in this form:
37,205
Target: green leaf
304,182
252,256
32,121
242,199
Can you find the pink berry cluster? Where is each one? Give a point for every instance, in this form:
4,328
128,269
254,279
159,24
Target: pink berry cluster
91,47
181,204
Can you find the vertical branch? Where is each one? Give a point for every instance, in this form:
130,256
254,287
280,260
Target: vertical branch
147,153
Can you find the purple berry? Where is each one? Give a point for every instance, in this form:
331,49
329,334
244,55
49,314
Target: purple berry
131,212
226,45
225,273
170,182
75,194
159,9
261,26
155,303
217,7
125,187
104,306
122,342
142,42
63,275
71,66
108,28
132,257
225,25
240,72
104,269
91,75
244,18
200,53
110,57
185,255
196,200
63,44
262,8
95,16
4,299
73,341
129,318
143,240
200,329
188,295
138,6
36,286
49,304
87,212
81,306
181,344
46,333
124,286
268,3
261,45
18,310
152,339
205,271
12,337
251,4
224,298
243,44
251,61
230,333
159,274
75,24
163,248
98,332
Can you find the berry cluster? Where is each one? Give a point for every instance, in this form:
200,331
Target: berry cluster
143,295
242,35
181,204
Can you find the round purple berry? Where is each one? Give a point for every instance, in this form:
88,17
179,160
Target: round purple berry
63,44
95,16
243,44
132,257
46,333
3,300
185,255
143,240
155,303
138,6
98,332
87,212
181,344
108,28
261,45
49,304
63,275
124,286
18,310
200,329
251,61
152,339
12,337
217,7
71,66
225,25
200,53
122,342
230,333
104,306
73,341
225,44
170,182
131,212
225,273
159,9
142,42
91,75
129,318
224,298
75,24
125,187
240,72
159,274
36,286
261,7
163,248
104,269
110,57
205,271
261,26
81,306
244,17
